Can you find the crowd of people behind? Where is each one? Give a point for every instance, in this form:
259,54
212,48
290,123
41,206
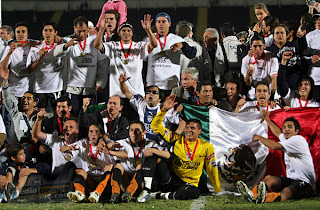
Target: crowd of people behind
102,111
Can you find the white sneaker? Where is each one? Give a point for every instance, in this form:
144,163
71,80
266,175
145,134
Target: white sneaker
245,191
261,190
94,197
144,197
76,196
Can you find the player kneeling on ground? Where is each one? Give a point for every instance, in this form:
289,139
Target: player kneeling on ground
300,180
98,165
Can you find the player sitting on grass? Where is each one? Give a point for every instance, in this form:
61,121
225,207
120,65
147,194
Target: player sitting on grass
98,165
300,180
190,155
14,172
138,148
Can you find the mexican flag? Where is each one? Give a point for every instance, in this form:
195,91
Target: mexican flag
238,158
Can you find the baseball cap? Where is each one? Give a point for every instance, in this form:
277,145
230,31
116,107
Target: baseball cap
163,14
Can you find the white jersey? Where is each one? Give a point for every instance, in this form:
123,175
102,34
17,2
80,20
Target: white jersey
164,65
86,68
93,163
60,158
147,113
48,75
130,164
252,106
131,66
18,76
263,69
313,41
292,100
298,159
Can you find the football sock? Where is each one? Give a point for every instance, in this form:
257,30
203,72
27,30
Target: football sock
102,185
116,180
79,183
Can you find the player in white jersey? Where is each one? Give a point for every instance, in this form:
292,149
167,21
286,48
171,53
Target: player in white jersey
261,66
138,149
86,71
126,56
14,59
148,108
111,18
64,164
300,180
164,61
262,94
46,68
98,164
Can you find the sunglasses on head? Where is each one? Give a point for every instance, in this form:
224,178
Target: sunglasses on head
152,91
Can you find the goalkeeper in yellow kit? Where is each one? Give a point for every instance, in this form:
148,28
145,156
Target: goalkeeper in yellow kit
190,153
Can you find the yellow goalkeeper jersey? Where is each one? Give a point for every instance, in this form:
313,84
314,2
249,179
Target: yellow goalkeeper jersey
186,169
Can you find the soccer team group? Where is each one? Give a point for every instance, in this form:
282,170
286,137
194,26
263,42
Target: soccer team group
159,153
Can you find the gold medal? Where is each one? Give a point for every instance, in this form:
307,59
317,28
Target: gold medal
138,162
67,157
192,164
125,61
83,54
163,53
251,65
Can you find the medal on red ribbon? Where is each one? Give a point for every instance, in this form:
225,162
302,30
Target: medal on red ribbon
136,156
163,53
126,54
83,47
191,163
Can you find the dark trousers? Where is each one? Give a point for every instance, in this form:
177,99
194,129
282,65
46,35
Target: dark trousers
64,174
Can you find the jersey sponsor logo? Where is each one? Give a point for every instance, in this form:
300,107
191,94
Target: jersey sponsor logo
185,164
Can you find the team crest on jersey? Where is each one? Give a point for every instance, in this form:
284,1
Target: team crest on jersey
150,118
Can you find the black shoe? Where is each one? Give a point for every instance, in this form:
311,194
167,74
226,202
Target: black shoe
126,197
115,198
